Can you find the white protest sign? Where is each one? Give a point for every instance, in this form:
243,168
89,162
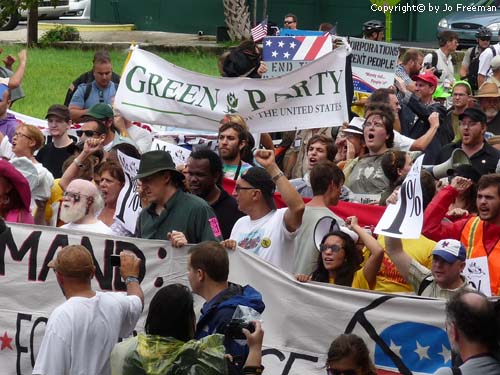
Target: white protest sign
477,273
373,64
155,91
179,154
300,319
128,205
405,218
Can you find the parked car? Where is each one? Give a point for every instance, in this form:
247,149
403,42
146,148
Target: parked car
465,24
45,10
78,8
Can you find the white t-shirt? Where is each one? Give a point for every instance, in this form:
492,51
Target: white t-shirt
402,142
82,332
485,60
98,227
268,238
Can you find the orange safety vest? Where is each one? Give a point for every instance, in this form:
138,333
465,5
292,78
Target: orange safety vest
472,238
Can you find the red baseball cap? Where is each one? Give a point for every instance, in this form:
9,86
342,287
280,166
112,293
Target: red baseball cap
426,77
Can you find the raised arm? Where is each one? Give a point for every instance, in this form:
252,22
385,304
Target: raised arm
402,261
130,268
17,77
374,262
293,200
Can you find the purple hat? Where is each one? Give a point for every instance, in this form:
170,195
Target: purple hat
17,180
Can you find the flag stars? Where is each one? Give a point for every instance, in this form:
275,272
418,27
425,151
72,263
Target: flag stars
395,349
422,351
286,55
445,353
292,45
269,43
281,44
274,53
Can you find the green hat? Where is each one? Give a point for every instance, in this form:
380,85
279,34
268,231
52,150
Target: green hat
440,93
466,84
156,161
100,111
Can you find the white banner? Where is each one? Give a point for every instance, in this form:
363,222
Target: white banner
404,334
179,154
405,218
477,273
155,91
128,204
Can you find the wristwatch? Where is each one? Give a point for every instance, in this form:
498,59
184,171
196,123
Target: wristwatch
131,279
275,178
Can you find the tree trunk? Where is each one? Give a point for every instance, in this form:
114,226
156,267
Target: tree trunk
33,25
237,17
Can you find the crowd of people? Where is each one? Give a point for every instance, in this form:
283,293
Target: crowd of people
75,184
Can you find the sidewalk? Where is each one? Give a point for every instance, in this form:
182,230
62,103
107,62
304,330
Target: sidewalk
121,36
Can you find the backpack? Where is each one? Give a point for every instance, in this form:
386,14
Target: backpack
87,78
473,69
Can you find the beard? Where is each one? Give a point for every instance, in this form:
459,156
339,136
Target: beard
72,213
491,113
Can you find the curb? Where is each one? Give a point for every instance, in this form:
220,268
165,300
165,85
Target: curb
88,28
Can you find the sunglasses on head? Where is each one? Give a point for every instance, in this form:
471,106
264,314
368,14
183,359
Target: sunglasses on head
333,371
88,133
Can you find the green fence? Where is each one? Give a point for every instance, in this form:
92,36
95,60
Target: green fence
191,16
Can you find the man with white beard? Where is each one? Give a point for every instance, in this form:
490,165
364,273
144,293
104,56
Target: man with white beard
81,205
489,101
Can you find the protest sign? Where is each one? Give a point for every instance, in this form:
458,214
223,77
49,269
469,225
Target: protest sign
128,204
179,154
294,32
157,92
373,64
285,54
404,334
405,218
478,274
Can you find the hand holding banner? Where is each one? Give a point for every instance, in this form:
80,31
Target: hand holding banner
405,218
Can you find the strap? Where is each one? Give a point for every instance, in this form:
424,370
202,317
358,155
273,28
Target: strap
434,59
456,371
424,284
237,173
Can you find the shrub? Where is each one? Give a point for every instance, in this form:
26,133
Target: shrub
60,33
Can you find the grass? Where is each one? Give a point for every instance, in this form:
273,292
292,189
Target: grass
50,72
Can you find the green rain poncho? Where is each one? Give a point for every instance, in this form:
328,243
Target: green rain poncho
158,355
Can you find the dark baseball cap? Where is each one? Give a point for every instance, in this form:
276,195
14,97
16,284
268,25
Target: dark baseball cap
474,114
60,111
260,179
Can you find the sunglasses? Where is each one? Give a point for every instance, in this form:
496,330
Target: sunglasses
333,371
88,133
484,38
75,197
288,22
334,248
238,188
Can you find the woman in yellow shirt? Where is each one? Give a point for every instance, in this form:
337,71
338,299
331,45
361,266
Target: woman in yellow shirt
339,260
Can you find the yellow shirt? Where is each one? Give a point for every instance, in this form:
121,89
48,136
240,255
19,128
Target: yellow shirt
359,281
389,279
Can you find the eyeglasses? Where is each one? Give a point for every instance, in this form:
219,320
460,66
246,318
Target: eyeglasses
288,22
238,188
76,197
377,125
469,125
88,133
24,135
333,248
484,38
333,371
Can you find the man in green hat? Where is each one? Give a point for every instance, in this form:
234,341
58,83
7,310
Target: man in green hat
172,213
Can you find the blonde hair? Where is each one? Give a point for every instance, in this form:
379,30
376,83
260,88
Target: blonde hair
35,134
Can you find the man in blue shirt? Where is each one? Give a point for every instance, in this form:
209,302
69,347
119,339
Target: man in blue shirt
103,89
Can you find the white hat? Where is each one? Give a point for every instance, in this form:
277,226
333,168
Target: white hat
355,126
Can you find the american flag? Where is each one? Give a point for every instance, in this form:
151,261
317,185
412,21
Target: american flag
259,31
332,31
302,48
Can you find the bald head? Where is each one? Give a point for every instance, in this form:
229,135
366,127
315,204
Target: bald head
83,195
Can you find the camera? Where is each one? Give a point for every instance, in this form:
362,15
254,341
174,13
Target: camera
437,72
234,329
115,260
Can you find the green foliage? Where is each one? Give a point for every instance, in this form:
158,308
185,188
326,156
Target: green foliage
60,33
50,71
